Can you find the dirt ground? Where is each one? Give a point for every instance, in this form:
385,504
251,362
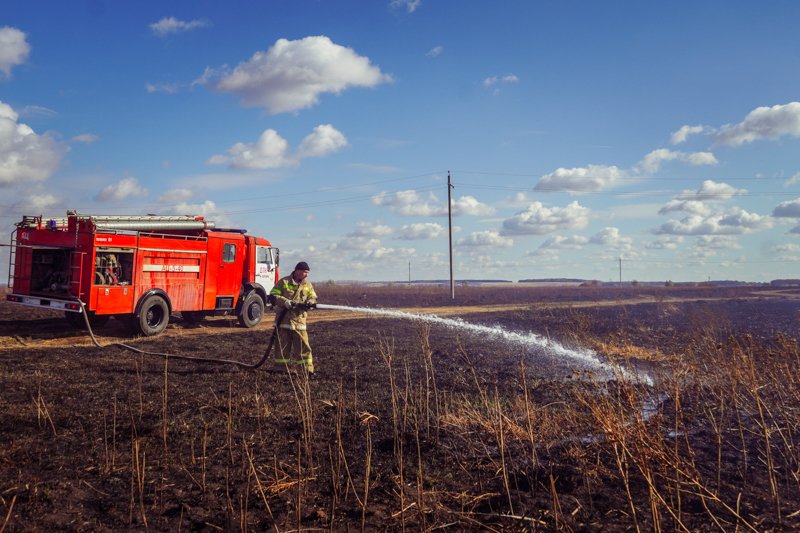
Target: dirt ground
408,424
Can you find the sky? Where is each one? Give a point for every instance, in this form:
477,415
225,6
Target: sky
596,140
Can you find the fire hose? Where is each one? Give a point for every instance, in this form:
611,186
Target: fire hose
247,366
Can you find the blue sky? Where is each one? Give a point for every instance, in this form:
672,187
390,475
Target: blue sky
576,133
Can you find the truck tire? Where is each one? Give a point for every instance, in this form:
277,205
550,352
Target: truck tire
153,316
252,310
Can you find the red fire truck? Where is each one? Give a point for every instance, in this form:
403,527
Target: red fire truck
140,268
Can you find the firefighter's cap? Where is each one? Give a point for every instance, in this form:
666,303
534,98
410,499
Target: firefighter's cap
302,265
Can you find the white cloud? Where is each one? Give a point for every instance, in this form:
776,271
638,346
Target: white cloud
125,188
38,203
14,49
85,138
24,155
576,242
693,207
735,222
324,140
611,238
791,181
652,162
786,249
491,239
789,209
207,209
762,123
684,132
436,51
717,242
664,243
293,74
269,151
409,5
693,202
420,231
168,25
539,220
495,80
579,180
713,191
411,203
469,205
175,195
370,229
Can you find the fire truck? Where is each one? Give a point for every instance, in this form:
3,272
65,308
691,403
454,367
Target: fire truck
140,269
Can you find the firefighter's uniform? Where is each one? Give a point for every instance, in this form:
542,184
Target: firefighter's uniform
292,339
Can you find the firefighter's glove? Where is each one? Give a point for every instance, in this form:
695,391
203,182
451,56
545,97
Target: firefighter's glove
305,306
288,304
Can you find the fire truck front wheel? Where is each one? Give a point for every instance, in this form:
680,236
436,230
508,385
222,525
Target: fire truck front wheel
252,310
153,316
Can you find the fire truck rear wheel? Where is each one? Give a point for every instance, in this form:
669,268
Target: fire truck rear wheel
153,316
252,310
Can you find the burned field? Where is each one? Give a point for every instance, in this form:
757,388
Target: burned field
408,424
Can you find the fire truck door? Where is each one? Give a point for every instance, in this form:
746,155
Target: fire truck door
230,274
266,264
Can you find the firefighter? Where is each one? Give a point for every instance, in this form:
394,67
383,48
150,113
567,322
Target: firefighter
293,296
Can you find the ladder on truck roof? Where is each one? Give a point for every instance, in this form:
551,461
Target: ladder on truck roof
148,222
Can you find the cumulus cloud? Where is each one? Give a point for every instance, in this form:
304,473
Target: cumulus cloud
38,202
421,231
791,181
125,188
610,237
737,221
694,207
324,140
579,180
207,209
411,203
537,219
786,249
14,49
175,195
717,242
762,123
484,239
693,202
664,243
789,209
713,191
168,25
293,74
652,162
684,132
273,151
24,155
558,242
269,151
370,229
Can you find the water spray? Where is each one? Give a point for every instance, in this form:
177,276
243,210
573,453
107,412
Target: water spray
582,356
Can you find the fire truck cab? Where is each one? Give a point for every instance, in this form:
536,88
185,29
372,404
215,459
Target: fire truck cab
140,268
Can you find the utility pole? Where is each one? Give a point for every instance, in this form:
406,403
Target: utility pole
409,272
450,231
620,270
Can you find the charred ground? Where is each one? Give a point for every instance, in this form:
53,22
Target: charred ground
409,425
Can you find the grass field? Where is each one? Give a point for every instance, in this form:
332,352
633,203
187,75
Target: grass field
410,425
